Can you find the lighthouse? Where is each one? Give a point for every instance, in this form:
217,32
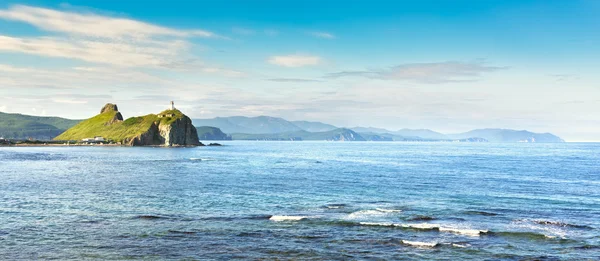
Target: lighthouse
172,105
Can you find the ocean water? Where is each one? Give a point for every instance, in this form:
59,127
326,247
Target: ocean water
302,201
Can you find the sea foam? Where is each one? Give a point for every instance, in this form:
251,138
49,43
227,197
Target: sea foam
420,244
287,218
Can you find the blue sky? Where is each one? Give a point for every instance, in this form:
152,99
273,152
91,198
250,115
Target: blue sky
450,66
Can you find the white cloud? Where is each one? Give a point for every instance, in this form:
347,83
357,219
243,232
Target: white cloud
148,53
295,60
432,73
92,25
323,35
99,39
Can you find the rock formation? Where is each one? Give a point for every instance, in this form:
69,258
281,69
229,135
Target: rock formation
168,128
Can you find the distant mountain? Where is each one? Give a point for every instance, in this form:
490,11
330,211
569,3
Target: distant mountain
333,135
19,126
251,125
314,126
505,135
412,133
423,133
211,133
370,130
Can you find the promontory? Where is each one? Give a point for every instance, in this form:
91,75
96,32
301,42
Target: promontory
168,128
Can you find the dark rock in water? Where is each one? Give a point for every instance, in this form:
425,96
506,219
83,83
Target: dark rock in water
560,224
149,217
483,213
421,218
214,144
182,232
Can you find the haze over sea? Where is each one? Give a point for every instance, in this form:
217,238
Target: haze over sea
302,200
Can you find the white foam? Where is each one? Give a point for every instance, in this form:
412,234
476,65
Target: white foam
364,214
287,218
468,232
421,226
371,212
419,244
388,210
460,245
382,224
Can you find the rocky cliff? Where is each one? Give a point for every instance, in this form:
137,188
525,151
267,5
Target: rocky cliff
168,128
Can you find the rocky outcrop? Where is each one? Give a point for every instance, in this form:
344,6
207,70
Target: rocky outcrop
176,130
109,107
168,128
112,108
179,132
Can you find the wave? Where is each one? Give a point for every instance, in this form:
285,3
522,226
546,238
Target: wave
372,212
467,232
287,218
482,213
378,224
420,244
560,224
149,217
523,234
388,210
428,226
335,206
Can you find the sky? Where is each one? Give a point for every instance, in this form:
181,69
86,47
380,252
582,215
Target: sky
450,66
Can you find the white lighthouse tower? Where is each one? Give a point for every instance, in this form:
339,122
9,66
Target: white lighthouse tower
172,105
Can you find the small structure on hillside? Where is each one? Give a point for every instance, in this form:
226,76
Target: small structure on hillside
94,139
172,105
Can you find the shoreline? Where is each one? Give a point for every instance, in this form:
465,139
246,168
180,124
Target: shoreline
105,145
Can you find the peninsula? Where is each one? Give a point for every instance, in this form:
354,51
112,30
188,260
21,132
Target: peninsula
168,128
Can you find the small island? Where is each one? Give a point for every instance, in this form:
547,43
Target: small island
168,128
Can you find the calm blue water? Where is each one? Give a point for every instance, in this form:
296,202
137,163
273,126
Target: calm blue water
302,200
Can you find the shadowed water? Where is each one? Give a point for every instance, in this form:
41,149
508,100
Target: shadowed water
302,200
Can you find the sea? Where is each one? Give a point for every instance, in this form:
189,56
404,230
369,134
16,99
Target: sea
258,200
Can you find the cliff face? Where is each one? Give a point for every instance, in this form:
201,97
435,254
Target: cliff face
168,128
179,132
172,128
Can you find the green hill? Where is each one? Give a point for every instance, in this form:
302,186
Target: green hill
211,133
170,127
19,126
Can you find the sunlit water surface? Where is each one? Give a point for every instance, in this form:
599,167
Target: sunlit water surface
302,200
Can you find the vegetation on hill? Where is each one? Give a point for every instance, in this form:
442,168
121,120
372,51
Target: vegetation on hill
19,126
144,129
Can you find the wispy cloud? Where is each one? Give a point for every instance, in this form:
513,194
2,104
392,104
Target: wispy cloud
292,80
431,73
99,39
324,35
295,60
92,25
